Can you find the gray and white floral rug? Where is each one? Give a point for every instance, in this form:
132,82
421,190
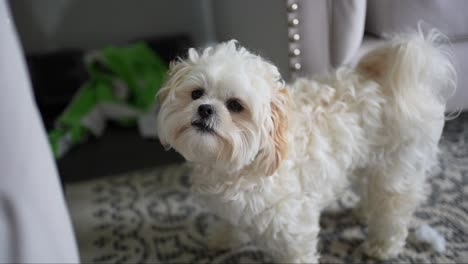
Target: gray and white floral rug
150,217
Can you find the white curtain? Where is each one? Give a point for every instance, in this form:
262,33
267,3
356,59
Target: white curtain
34,223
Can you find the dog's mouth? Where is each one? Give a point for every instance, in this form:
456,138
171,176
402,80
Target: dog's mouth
203,127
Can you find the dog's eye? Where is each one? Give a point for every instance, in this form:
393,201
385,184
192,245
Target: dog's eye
197,93
234,105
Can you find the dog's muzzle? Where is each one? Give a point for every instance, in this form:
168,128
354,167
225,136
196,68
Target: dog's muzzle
202,126
206,113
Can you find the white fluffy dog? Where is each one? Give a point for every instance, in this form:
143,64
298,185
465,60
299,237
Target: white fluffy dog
268,158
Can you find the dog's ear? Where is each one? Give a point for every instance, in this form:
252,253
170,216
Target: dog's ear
177,69
275,144
193,55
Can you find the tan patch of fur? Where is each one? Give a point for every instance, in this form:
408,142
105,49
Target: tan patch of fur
279,115
180,131
374,65
162,95
177,69
226,150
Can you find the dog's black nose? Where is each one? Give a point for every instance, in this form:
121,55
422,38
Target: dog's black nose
205,111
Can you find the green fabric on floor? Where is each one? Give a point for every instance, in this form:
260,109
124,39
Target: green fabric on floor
123,84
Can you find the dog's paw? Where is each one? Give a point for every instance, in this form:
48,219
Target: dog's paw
225,236
382,250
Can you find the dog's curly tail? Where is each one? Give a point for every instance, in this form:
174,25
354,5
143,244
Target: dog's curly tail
416,70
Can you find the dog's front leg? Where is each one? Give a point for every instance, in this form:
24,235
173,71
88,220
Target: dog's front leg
292,235
224,235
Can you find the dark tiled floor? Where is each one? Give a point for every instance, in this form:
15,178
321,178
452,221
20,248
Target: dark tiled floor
119,150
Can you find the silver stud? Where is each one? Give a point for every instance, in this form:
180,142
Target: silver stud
293,7
294,22
296,66
295,37
296,52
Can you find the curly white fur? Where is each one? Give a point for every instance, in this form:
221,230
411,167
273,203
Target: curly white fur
431,236
273,167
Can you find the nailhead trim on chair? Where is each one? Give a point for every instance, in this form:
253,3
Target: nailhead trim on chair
294,38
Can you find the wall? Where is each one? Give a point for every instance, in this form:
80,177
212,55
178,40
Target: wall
46,25
259,25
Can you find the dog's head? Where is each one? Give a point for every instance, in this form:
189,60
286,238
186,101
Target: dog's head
226,107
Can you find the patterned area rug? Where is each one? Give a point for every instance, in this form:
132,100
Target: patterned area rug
150,217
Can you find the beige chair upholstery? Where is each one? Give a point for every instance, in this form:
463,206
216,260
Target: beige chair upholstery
331,32
337,32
